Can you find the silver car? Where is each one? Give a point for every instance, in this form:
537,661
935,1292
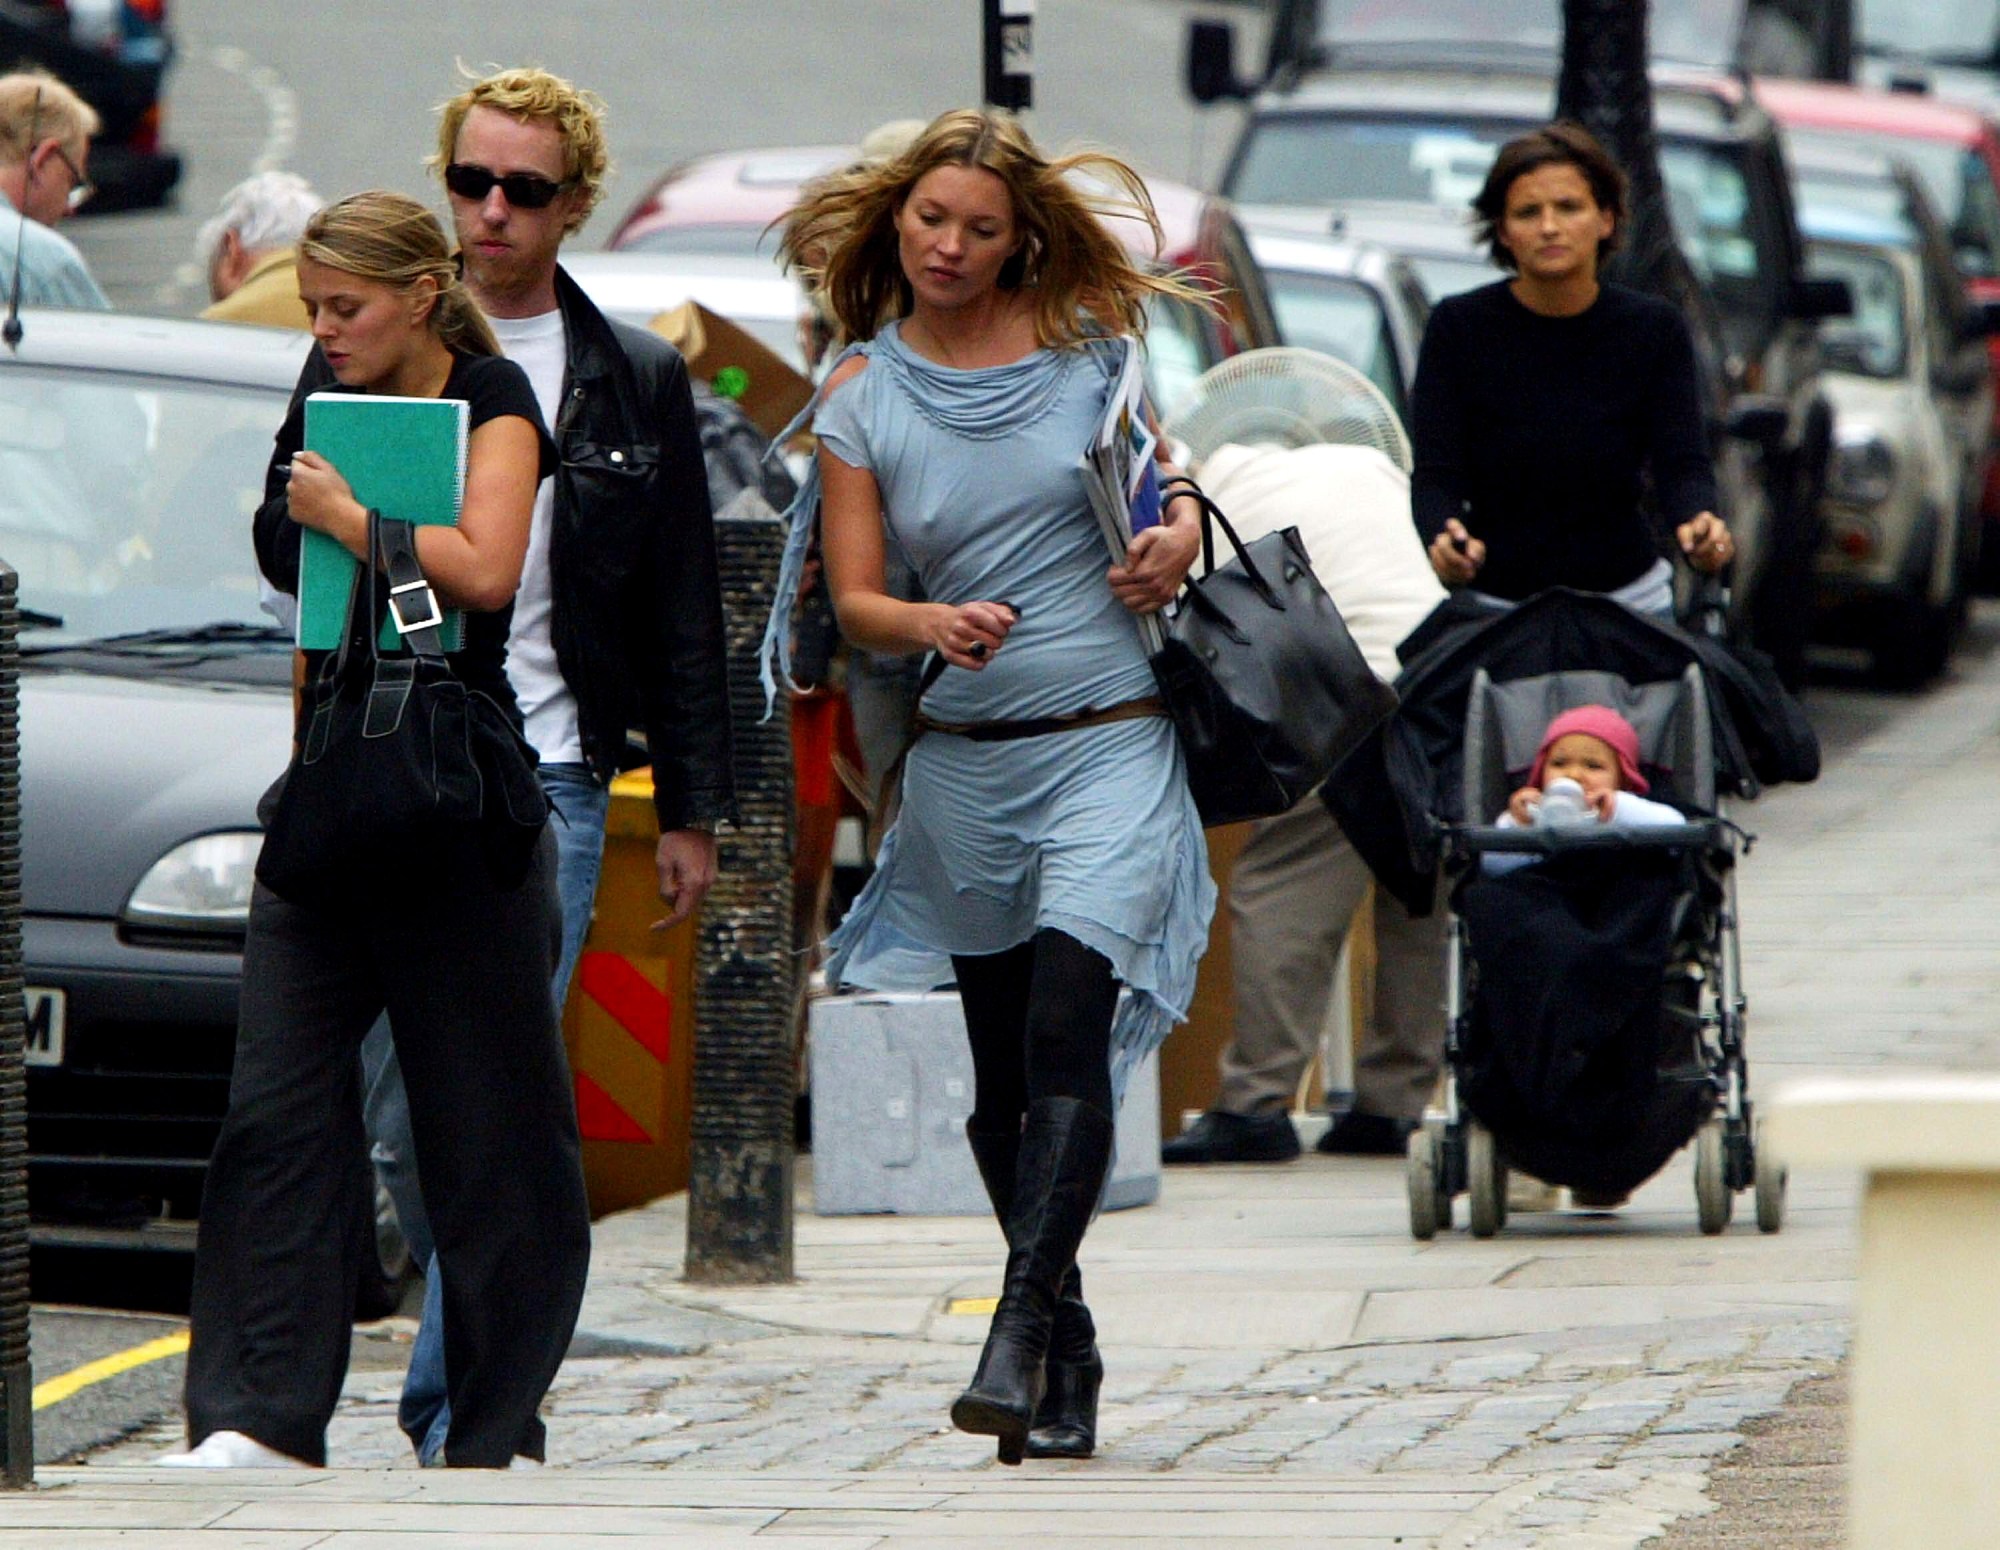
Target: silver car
1353,301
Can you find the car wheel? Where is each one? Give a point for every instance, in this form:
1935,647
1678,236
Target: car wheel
388,1273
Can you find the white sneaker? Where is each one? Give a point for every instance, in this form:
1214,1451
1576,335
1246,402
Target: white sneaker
232,1450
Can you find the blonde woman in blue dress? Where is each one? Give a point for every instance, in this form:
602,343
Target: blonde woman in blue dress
1047,853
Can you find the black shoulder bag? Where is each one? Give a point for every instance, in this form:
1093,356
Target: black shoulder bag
398,762
1265,686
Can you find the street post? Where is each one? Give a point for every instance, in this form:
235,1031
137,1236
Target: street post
1009,39
740,1139
17,1383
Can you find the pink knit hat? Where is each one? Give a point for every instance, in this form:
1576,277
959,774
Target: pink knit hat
1609,728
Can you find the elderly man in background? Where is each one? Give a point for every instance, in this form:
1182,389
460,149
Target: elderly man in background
249,247
45,131
1297,881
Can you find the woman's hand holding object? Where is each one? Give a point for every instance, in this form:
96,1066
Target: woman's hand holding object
1456,555
319,498
1155,566
968,635
1706,541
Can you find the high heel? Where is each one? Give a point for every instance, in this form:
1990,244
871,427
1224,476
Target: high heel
1064,1149
1065,1424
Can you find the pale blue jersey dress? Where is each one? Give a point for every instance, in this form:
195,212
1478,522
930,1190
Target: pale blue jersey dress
1091,832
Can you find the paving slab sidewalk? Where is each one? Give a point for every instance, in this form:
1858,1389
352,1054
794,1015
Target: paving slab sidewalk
1284,1361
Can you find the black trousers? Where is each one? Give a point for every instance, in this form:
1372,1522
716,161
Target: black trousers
462,967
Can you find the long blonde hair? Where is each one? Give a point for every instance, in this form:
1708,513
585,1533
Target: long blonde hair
841,236
392,240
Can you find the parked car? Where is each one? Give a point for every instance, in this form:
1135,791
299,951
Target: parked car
115,54
635,285
1834,183
1891,575
1954,149
1809,38
1417,131
155,709
1947,48
705,215
1353,301
1437,243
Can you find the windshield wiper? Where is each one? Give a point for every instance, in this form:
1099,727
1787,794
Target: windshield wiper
223,634
35,619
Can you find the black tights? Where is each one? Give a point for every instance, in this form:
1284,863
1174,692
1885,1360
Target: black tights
1039,1020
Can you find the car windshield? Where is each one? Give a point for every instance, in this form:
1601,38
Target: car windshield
1444,277
1342,318
1691,31
1942,31
1955,176
1177,353
1871,342
1329,159
125,501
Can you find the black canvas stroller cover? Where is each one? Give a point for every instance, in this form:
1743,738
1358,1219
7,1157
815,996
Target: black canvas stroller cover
1393,793
1578,998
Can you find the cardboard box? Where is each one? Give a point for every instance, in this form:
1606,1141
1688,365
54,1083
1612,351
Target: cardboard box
772,393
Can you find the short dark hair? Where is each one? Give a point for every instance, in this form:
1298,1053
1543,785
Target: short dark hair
1561,144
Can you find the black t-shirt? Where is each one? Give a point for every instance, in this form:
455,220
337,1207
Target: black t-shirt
1535,432
492,387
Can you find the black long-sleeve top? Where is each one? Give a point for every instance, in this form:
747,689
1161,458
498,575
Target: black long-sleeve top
1535,432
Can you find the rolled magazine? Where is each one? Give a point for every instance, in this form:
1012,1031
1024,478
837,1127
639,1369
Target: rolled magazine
1121,478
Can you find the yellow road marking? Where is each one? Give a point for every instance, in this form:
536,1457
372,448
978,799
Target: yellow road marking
969,1306
57,1389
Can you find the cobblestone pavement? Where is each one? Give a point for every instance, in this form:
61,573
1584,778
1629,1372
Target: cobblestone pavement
1571,1382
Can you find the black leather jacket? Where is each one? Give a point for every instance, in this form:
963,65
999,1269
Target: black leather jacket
637,615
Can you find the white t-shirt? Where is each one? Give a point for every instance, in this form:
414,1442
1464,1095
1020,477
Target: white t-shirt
537,346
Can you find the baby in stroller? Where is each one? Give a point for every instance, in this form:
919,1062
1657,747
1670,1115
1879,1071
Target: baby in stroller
1595,1020
1586,770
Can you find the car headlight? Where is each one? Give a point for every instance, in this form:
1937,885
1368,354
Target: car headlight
203,884
1862,469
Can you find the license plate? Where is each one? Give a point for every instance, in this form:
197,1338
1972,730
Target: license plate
46,1011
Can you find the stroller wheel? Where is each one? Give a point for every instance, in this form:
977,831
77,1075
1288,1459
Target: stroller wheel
1423,1168
1771,1179
1712,1198
1485,1181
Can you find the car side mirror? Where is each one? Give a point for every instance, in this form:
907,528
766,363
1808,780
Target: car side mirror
1759,418
1816,300
1211,62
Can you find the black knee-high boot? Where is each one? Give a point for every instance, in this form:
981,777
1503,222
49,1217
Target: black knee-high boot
1065,1423
1065,1149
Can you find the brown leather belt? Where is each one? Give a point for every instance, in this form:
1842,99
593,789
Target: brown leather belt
1042,726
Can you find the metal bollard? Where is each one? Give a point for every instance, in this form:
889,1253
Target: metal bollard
740,1130
17,1440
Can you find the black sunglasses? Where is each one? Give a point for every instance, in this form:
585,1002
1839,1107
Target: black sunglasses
524,190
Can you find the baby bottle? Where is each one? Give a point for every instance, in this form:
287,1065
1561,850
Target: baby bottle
1563,805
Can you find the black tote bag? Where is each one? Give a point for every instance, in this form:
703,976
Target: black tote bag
1265,685
398,761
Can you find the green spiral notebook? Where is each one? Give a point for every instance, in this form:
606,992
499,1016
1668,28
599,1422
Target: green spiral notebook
403,456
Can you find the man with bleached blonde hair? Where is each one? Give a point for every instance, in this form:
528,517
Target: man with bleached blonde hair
45,131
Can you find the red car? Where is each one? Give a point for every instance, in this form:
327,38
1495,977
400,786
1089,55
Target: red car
1955,150
721,207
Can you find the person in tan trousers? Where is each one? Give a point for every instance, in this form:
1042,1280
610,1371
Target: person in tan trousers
1298,882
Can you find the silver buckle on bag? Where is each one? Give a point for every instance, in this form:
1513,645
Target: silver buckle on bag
404,626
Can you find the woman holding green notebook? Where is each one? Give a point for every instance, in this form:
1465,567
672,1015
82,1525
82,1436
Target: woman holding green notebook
459,958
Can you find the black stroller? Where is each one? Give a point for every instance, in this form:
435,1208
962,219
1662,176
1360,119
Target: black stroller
1594,1001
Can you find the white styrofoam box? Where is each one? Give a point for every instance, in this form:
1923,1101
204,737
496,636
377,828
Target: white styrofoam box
891,1089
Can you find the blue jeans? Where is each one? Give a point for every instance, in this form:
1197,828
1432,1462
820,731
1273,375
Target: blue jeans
580,808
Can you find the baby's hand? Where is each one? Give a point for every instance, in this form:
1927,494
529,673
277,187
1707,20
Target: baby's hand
1522,804
1603,803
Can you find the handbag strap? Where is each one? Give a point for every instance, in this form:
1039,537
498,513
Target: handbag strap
1211,516
413,602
